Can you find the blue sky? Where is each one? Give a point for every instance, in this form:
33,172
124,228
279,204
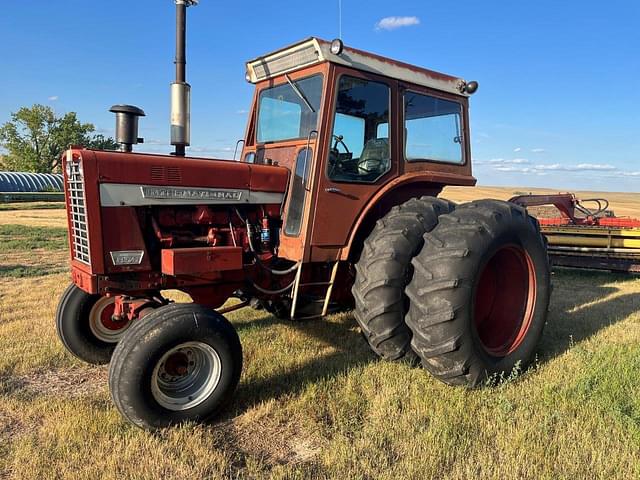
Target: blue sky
558,104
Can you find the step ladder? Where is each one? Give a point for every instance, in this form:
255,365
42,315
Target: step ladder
297,285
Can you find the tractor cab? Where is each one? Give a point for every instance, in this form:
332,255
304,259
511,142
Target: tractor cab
359,134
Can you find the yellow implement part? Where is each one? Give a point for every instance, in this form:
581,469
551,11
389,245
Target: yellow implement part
595,231
605,241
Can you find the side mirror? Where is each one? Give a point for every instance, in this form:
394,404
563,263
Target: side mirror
471,87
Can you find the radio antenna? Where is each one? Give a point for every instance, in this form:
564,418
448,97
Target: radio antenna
340,19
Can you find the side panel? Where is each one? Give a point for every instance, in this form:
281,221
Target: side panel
122,232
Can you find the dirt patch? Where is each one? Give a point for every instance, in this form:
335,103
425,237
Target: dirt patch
274,443
76,382
10,426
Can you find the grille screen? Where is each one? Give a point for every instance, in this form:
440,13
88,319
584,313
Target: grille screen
78,214
286,62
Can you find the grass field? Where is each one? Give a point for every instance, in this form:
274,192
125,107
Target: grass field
313,401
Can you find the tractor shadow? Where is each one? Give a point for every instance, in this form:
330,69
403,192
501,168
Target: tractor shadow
582,304
349,351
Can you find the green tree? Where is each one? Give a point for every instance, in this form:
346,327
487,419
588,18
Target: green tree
100,142
35,138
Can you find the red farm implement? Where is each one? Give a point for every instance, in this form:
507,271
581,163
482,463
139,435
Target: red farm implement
586,234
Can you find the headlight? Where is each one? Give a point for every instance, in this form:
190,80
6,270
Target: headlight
67,167
337,46
80,169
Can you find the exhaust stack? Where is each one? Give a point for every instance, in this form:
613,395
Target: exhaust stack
180,89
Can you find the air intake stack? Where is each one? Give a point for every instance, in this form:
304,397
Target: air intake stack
127,126
180,89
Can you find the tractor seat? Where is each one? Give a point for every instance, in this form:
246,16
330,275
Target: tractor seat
375,158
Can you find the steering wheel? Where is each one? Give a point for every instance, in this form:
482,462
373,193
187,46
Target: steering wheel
335,162
339,140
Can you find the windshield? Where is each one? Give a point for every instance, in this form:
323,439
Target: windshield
289,111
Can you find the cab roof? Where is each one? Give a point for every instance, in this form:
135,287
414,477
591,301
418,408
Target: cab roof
314,50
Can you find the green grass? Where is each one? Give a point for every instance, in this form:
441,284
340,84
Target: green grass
32,206
314,402
21,237
25,271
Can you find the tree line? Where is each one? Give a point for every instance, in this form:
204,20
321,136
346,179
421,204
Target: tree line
35,138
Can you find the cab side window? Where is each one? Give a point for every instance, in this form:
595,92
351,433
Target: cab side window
298,192
432,129
360,150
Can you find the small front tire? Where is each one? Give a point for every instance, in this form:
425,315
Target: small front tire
84,325
179,363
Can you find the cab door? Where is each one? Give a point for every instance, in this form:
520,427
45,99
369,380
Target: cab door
360,154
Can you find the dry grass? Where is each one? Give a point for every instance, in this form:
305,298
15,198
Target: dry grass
313,401
43,217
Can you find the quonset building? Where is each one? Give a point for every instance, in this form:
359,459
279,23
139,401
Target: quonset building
11,182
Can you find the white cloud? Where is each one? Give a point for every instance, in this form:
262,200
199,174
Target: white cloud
53,98
153,141
554,166
517,149
538,150
392,23
206,149
242,112
522,165
595,166
496,161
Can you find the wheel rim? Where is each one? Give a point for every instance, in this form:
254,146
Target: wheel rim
186,376
102,325
505,300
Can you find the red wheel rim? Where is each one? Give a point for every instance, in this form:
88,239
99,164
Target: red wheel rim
106,318
102,324
505,300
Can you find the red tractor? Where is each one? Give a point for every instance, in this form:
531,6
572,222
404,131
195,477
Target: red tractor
333,205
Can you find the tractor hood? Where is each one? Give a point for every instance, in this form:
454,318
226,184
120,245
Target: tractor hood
136,179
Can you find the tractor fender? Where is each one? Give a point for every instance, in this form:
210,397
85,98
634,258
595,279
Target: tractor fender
397,191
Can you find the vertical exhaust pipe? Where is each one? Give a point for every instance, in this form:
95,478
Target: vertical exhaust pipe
180,89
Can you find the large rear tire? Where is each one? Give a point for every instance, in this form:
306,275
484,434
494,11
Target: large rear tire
84,325
182,362
383,271
479,293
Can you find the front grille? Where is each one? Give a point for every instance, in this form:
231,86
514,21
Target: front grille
78,214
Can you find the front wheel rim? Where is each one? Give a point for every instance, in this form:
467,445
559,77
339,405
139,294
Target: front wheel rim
101,323
505,300
186,376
